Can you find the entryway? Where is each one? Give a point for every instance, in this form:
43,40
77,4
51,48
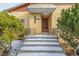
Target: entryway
45,25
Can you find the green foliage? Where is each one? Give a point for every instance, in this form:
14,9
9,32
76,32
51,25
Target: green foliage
11,27
68,24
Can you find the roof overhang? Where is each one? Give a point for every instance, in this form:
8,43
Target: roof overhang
18,7
44,9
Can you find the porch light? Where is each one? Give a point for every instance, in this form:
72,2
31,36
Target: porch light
45,13
34,19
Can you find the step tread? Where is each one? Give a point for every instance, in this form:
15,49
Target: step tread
40,43
40,48
39,39
41,54
41,36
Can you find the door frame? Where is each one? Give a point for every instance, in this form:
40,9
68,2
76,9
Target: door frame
42,23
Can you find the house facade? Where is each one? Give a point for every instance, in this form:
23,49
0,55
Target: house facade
39,18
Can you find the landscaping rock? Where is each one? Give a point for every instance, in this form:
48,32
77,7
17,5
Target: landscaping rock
68,50
1,52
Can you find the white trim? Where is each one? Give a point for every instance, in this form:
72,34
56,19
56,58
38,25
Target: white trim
41,6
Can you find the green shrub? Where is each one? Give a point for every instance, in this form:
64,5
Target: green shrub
11,27
68,25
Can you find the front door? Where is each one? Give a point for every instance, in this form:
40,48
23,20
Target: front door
44,24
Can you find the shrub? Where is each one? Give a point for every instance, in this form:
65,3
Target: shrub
68,25
11,27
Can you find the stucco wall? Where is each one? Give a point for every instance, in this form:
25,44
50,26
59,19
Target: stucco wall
36,27
23,15
57,12
29,21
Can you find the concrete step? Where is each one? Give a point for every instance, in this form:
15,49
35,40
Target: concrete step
40,43
40,49
48,51
47,39
42,37
40,54
40,40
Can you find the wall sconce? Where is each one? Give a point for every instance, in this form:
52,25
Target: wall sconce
34,19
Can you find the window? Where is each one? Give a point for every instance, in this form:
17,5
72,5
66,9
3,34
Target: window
22,20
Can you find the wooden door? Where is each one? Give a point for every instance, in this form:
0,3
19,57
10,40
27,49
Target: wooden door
44,24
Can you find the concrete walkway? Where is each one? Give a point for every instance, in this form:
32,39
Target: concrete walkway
41,45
